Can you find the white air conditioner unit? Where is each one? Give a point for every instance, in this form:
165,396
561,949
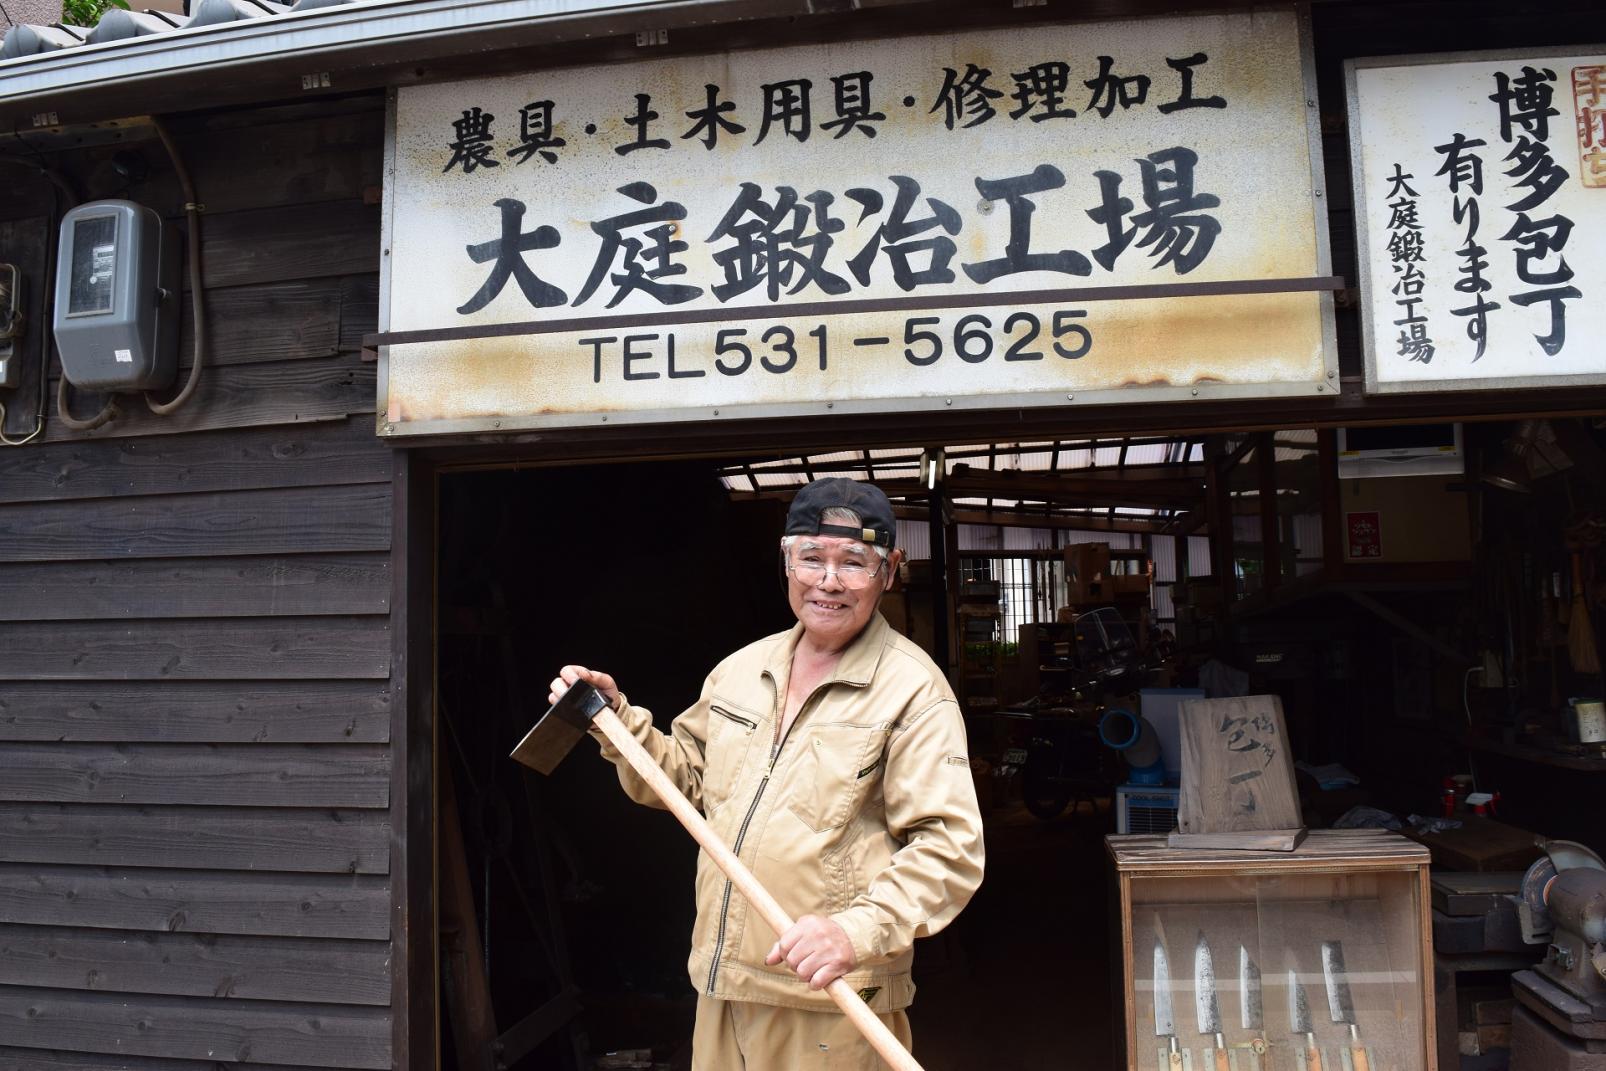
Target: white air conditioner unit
1400,450
1145,809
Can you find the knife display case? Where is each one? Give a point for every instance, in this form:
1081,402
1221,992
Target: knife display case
1316,959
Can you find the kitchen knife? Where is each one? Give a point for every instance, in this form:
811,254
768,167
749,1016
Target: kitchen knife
1164,1021
1206,1008
1310,1058
1340,1004
1253,1016
1251,1011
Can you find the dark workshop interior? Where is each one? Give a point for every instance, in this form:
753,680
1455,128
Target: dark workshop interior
1424,600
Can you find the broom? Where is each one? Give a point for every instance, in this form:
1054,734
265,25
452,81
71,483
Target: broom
1581,647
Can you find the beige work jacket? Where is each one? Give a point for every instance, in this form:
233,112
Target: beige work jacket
865,812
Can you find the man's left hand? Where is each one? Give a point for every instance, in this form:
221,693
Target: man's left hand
817,949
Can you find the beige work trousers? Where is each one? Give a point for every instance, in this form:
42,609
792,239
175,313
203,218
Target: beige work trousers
738,1035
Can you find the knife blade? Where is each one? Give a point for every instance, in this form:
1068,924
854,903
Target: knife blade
1310,1058
1252,1012
1164,1020
1206,1008
1298,1006
1340,1006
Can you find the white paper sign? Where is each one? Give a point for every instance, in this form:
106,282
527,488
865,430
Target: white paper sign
1480,190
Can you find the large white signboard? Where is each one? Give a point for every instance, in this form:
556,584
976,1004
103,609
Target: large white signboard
1072,214
1480,193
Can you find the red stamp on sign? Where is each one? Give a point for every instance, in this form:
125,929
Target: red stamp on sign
1365,535
1589,102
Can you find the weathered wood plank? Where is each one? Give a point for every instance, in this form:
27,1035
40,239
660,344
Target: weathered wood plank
348,517
304,455
1352,849
222,902
14,1059
253,395
197,838
197,649
321,971
289,241
331,157
200,1029
197,712
242,775
275,322
359,309
312,584
1237,771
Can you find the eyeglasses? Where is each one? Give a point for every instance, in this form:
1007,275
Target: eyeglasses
848,574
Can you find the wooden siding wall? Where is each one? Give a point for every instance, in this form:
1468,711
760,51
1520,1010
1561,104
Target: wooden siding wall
195,646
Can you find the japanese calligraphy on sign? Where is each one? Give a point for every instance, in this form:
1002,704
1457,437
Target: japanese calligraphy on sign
1480,189
857,227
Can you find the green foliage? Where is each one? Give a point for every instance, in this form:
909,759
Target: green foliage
87,12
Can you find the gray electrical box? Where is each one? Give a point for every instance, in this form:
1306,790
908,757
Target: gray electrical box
117,292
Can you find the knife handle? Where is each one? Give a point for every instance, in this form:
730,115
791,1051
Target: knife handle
1222,1063
1359,1058
1313,1058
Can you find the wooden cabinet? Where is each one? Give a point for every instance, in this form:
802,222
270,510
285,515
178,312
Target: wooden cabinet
1318,959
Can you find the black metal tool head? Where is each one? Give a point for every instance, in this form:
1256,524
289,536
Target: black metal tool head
560,728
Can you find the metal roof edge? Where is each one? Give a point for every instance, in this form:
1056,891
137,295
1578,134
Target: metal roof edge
329,31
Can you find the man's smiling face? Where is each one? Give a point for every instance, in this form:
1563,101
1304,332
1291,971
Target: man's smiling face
834,584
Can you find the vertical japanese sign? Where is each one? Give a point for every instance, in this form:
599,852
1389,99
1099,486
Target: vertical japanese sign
1480,193
1085,213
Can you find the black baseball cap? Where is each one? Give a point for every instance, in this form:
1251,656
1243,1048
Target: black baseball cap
865,499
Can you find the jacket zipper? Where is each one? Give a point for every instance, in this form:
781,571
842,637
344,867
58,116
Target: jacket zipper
737,718
741,835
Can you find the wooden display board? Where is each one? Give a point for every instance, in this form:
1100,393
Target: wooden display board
1237,777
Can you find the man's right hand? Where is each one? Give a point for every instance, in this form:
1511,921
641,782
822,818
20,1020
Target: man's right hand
568,675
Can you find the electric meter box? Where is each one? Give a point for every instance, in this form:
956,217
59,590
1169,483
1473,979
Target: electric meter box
117,297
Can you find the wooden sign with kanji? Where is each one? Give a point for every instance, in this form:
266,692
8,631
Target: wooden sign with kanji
1237,777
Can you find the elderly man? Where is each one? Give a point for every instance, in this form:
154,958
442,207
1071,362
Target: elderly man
832,759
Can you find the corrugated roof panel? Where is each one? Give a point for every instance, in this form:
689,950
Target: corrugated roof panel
1147,454
1076,457
771,479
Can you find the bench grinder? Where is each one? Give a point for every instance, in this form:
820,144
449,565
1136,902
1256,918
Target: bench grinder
1560,1021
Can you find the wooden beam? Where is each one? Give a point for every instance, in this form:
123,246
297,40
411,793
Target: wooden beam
1271,553
1019,519
415,968
1218,505
1332,501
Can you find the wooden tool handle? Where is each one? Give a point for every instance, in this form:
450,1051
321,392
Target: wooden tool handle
1358,1058
1222,1062
1313,1059
870,1025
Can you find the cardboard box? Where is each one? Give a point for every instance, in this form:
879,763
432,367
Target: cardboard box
1087,572
1129,585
